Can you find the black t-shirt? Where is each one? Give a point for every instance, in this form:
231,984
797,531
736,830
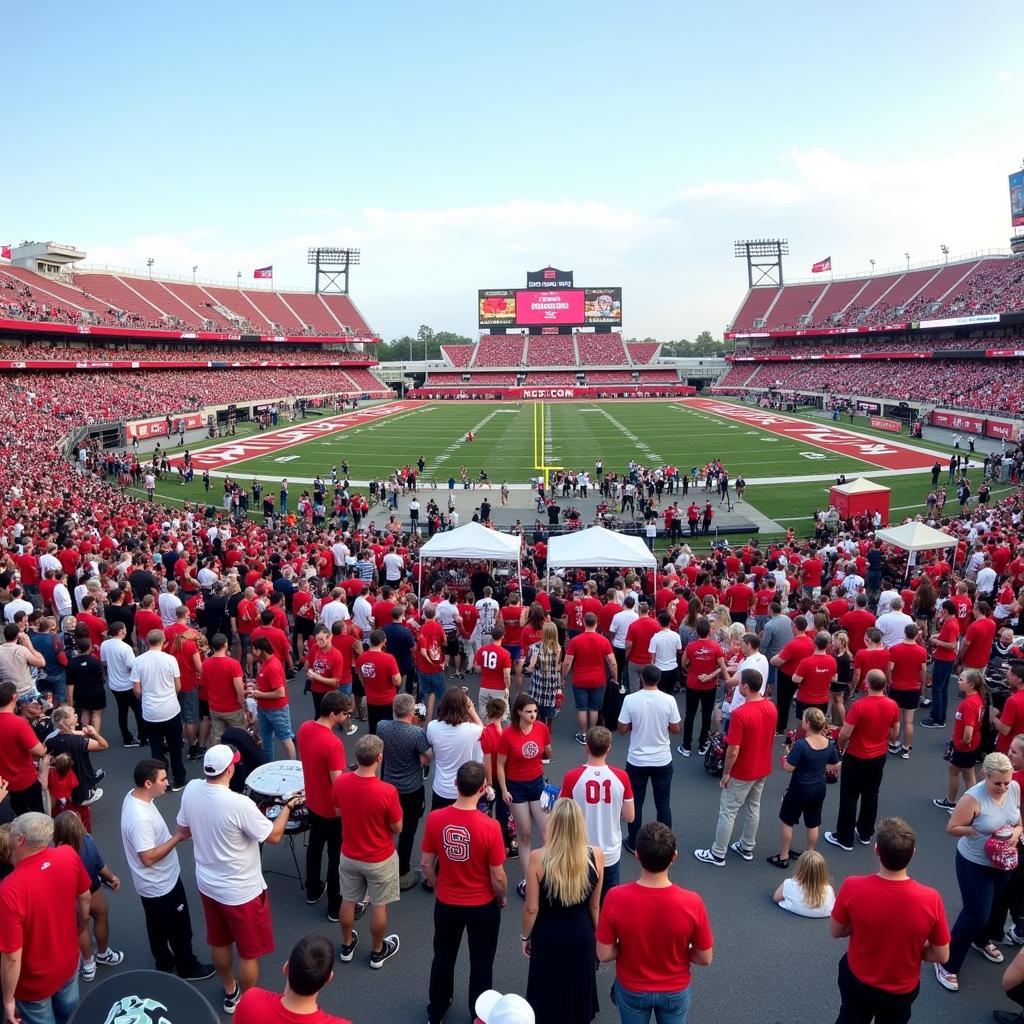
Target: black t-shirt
400,645
874,559
78,747
85,674
216,609
143,581
233,602
121,613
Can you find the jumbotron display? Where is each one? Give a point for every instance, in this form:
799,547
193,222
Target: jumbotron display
549,300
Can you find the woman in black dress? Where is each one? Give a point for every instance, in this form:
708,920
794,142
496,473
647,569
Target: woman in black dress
563,890
86,692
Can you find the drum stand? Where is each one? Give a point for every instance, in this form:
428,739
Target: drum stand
290,840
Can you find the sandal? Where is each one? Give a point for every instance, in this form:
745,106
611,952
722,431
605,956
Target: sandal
990,952
778,861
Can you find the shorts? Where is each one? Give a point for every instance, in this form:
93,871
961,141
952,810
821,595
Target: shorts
908,700
303,626
377,881
431,683
91,700
525,792
204,708
277,721
801,708
189,704
588,698
515,652
247,925
799,801
964,758
452,646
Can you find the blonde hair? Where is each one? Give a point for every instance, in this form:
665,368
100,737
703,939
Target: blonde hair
737,631
549,638
6,844
842,641
565,858
996,764
812,876
816,720
68,830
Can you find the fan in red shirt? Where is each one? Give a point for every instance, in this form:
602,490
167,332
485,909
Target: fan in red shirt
873,655
428,656
703,662
739,599
857,622
786,661
326,668
381,679
967,726
222,679
1010,721
494,663
590,658
907,661
463,858
978,638
814,676
810,571
146,620
271,694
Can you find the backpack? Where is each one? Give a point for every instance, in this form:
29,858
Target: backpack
714,759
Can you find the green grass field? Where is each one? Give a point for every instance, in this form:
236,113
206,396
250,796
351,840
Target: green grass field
575,435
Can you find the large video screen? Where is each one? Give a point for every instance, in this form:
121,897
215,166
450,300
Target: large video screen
551,307
602,306
1017,199
497,307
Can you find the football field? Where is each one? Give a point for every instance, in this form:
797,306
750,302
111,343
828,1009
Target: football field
788,461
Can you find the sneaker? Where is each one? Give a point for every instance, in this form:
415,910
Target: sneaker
409,880
332,916
831,837
629,847
132,742
521,889
345,953
194,753
89,970
905,753
231,1000
513,850
1007,1017
622,690
989,951
95,795
945,979
111,958
388,948
100,774
894,748
703,749
313,895
739,851
200,973
945,805
362,908
930,723
685,751
707,857
581,739
351,729
924,702
177,788
1013,936
863,840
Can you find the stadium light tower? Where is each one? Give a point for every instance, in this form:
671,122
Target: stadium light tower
149,263
944,249
332,264
907,255
872,262
765,256
195,267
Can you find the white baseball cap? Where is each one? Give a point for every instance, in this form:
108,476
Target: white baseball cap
494,1008
218,758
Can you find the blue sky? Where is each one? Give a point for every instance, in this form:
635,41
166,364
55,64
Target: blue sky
459,145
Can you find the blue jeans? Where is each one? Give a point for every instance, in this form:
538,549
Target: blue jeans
941,671
980,885
667,1007
660,778
275,722
55,1010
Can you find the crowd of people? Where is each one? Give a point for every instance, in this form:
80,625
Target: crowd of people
306,354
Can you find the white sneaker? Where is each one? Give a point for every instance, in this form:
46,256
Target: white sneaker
948,981
95,795
111,958
89,970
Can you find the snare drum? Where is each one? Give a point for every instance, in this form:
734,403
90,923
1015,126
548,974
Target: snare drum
270,786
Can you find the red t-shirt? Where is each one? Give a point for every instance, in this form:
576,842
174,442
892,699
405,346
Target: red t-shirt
16,740
1013,716
258,1006
949,633
968,715
377,670
430,644
245,616
906,661
639,634
492,661
344,643
738,598
816,673
489,740
763,601
752,729
872,718
38,915
655,929
857,623
588,652
606,614
574,612
869,658
794,652
368,808
271,677
890,923
810,572
327,663
978,643
219,675
321,752
145,622
97,627
524,751
964,607
467,845
702,657
510,615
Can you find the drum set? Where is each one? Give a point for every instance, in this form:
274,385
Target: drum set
270,787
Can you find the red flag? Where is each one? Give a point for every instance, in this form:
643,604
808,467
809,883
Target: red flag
263,272
5,252
822,265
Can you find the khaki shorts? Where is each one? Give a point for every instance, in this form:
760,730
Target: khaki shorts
377,882
222,720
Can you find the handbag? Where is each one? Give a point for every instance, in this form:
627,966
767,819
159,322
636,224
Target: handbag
947,754
1001,852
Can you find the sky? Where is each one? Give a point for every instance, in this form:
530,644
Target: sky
459,145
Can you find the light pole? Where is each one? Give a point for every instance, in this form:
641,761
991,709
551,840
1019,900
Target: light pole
907,255
195,267
872,262
149,263
944,249
238,276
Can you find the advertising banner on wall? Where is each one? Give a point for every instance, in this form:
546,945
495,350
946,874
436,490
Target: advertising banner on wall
497,307
602,306
553,307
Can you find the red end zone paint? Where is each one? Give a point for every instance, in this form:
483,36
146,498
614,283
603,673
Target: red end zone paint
218,456
884,454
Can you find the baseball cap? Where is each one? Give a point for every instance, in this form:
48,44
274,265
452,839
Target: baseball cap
494,1008
32,697
218,758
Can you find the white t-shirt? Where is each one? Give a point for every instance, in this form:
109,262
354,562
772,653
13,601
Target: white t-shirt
665,645
487,609
394,564
620,623
885,600
227,829
446,613
362,614
340,552
795,902
892,626
650,713
453,745
119,659
155,672
167,605
756,661
600,791
334,611
143,828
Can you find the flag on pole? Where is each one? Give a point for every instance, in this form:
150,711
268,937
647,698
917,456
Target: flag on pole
5,252
822,265
263,273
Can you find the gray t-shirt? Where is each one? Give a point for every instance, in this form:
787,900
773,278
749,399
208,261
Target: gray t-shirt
403,744
777,632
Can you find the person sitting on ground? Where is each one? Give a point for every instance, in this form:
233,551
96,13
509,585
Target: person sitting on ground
808,893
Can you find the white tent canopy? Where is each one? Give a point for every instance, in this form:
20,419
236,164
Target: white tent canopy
599,548
916,537
472,541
